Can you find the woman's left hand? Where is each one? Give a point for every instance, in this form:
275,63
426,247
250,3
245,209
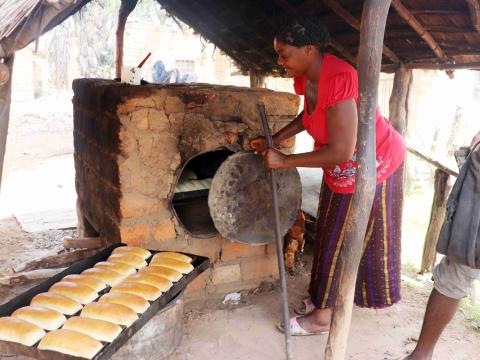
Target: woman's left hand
274,159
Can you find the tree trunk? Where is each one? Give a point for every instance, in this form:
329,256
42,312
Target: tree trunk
5,100
436,220
372,32
399,99
257,79
126,8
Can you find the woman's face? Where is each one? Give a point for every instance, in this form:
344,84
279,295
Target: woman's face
295,60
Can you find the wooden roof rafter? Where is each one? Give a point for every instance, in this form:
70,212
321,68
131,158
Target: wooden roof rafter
474,8
338,9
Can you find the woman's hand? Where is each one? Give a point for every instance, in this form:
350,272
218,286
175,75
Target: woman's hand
259,144
274,159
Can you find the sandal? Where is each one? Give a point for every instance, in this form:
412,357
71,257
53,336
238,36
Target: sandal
297,330
304,308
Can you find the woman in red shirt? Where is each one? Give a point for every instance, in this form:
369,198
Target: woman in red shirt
330,89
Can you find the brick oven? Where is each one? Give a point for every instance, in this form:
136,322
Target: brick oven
145,157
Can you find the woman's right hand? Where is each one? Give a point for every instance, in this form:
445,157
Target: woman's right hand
259,144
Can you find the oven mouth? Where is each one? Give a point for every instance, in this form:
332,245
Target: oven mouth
190,197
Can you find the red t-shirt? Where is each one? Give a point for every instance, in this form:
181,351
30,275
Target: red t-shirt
339,81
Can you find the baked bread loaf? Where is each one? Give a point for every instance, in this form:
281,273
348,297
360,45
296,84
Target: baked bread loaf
95,283
115,313
174,256
57,302
81,293
143,253
112,278
20,331
71,342
170,274
148,292
47,319
157,281
134,302
100,330
130,259
177,265
121,268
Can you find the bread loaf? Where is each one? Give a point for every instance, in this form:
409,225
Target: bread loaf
157,281
71,342
20,331
100,330
143,253
110,277
95,283
81,293
148,292
121,268
60,303
177,265
174,256
170,274
130,259
42,317
134,302
115,313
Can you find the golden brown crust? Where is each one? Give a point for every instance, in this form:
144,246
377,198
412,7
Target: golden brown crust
20,331
174,256
71,342
57,302
157,281
134,302
179,266
115,313
121,268
100,330
167,273
47,319
90,281
81,293
130,259
148,292
143,253
112,278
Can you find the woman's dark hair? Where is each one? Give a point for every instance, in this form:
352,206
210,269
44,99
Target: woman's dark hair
304,30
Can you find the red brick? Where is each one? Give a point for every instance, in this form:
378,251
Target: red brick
259,268
199,283
226,274
231,251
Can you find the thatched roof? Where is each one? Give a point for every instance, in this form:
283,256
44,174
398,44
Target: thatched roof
419,33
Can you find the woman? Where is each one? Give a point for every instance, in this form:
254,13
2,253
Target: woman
330,88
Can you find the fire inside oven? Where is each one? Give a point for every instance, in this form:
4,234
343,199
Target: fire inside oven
190,200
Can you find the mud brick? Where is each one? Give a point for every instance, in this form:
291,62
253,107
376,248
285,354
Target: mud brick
231,251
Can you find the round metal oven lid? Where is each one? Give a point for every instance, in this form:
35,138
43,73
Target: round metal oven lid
240,199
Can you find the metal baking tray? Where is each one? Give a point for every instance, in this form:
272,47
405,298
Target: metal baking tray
199,263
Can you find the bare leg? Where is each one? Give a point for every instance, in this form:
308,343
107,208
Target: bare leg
317,320
440,310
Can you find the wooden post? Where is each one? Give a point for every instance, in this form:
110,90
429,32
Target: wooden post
436,220
5,100
372,32
126,8
399,99
257,79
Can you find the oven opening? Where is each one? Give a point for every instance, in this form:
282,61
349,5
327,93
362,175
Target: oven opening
190,199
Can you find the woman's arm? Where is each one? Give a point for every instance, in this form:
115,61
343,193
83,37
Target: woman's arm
342,123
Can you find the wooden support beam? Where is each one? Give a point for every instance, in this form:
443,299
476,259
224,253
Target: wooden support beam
343,51
437,216
431,161
402,83
5,100
447,66
372,31
126,7
474,8
419,28
338,9
257,79
83,243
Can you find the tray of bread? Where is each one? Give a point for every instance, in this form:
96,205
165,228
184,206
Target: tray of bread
89,310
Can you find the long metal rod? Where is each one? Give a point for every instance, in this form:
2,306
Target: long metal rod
278,237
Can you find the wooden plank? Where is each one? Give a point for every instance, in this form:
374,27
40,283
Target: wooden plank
55,261
431,161
29,276
83,243
372,32
5,100
419,28
446,66
399,99
437,216
338,9
474,9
